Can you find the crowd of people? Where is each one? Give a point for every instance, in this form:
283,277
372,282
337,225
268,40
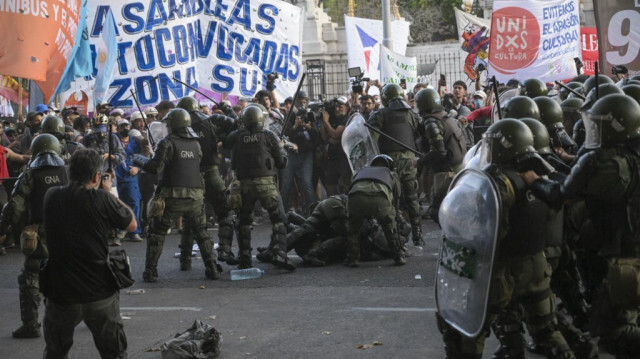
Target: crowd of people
564,159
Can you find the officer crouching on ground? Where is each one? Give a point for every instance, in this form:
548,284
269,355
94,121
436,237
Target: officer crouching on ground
180,193
374,193
257,155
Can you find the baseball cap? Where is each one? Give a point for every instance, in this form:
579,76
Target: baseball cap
481,94
122,121
41,108
117,111
342,100
150,111
33,114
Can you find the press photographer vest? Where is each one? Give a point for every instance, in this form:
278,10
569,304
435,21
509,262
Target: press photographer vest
184,168
252,155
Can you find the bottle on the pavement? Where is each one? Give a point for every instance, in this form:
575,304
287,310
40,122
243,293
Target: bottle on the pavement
249,273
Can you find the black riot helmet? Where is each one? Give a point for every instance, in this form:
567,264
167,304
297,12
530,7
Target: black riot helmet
574,85
45,143
391,92
253,117
382,161
53,125
590,83
178,119
550,111
603,90
533,88
189,104
629,90
540,135
506,140
428,101
612,120
571,112
521,107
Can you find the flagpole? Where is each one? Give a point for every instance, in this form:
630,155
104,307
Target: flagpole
19,97
386,25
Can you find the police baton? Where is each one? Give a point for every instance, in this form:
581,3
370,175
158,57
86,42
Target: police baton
197,91
392,139
144,119
494,83
581,96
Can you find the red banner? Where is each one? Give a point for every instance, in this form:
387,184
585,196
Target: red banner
9,90
589,49
37,38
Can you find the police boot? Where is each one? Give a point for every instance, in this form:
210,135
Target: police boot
228,257
211,271
185,260
418,241
265,256
583,346
311,258
150,274
509,332
28,312
352,260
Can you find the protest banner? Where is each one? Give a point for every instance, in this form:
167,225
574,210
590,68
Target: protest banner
589,49
394,67
223,46
474,42
618,24
37,39
364,39
534,39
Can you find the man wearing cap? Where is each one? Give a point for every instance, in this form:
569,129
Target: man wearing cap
336,168
158,129
69,115
34,120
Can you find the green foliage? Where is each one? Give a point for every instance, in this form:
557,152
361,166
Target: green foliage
446,6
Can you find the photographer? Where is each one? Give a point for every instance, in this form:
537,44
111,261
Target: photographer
77,281
336,168
276,119
303,132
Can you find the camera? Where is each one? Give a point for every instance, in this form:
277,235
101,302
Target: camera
356,83
271,79
619,70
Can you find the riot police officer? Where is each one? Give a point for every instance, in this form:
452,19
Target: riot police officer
180,193
520,273
607,177
374,193
24,214
445,145
257,154
551,116
210,130
533,88
397,120
53,125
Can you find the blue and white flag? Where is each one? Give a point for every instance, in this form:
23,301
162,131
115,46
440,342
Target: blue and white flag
80,63
107,53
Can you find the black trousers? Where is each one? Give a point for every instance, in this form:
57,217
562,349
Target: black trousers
102,317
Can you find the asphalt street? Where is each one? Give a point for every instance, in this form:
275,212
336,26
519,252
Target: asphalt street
375,311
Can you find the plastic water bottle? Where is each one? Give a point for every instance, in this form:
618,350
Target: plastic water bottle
249,273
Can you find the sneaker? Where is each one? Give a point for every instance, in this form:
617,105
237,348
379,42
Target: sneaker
121,235
3,252
135,238
115,243
25,332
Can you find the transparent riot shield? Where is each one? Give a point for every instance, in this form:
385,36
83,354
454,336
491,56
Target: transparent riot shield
358,144
469,219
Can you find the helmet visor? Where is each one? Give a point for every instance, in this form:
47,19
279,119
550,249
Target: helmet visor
593,124
486,153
